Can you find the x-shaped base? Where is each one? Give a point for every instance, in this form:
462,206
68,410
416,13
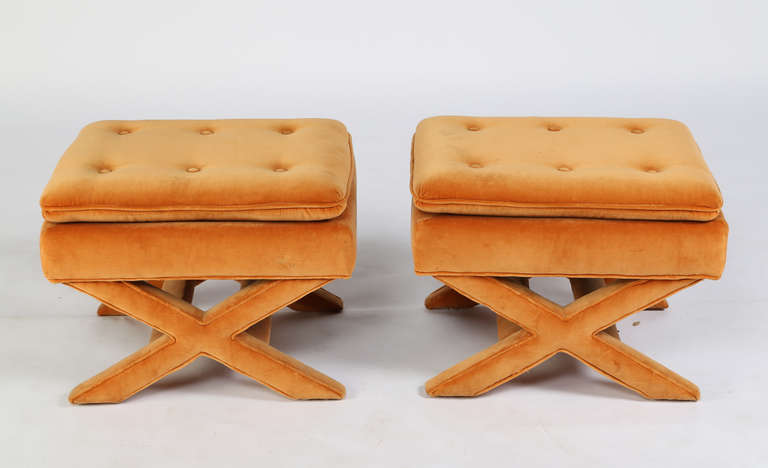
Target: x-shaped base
446,298
235,332
316,301
579,329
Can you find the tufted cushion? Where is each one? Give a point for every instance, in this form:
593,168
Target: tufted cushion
172,170
562,167
445,244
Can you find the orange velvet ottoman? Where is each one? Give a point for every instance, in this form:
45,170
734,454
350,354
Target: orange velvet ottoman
140,212
625,208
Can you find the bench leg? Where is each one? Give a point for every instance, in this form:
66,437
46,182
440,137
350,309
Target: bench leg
235,332
582,287
581,329
661,305
446,298
317,301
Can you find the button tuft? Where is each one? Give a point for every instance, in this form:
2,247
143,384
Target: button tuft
475,165
280,169
473,128
564,169
554,128
206,131
123,132
286,131
193,169
104,170
637,131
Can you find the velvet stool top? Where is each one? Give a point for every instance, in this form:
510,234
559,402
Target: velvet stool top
627,209
137,213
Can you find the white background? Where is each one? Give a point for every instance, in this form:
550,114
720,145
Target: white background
380,68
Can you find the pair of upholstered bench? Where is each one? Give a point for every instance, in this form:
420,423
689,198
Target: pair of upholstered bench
138,213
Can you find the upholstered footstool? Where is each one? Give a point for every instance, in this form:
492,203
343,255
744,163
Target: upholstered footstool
625,208
140,212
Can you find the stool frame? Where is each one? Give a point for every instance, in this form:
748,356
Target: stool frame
531,329
235,332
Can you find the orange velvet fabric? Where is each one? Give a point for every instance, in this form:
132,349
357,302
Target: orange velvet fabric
192,170
562,167
200,249
537,329
445,244
234,332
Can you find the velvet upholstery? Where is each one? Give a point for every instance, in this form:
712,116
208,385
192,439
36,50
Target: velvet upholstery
319,300
200,249
139,213
235,332
562,167
445,244
541,329
446,298
625,208
191,170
